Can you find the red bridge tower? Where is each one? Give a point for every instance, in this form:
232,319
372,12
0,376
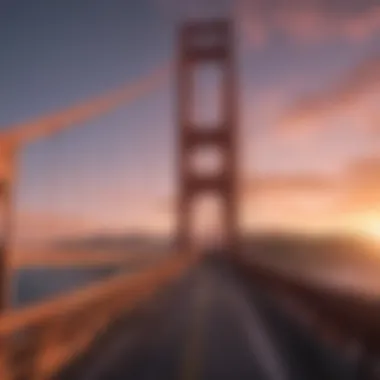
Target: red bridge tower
201,43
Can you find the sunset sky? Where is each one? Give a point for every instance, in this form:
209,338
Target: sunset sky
309,77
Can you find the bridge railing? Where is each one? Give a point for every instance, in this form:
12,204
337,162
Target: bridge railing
342,317
37,342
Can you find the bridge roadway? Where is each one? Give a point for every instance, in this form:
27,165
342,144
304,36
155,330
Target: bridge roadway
212,324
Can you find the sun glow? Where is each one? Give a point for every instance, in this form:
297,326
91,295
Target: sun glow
372,229
369,226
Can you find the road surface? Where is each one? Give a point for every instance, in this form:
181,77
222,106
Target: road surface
211,325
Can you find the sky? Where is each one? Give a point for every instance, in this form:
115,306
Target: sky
304,110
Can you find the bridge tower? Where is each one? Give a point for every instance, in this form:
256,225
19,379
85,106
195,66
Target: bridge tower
205,42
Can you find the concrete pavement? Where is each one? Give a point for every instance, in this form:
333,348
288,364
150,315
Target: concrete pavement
211,325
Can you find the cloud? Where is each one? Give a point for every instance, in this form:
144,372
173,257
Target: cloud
270,185
361,185
306,201
304,21
286,183
309,201
355,96
308,20
40,225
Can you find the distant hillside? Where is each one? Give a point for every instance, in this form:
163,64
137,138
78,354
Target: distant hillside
297,249
113,242
314,250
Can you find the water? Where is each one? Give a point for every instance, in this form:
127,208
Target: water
37,284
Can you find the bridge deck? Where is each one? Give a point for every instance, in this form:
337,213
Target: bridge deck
210,325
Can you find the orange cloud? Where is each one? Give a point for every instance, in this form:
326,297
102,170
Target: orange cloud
45,226
305,202
286,183
355,96
361,185
34,229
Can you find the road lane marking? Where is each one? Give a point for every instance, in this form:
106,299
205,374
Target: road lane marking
191,364
260,341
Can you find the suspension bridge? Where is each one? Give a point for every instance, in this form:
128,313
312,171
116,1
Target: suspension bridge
193,314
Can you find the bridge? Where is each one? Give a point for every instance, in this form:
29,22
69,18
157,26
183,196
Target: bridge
195,313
